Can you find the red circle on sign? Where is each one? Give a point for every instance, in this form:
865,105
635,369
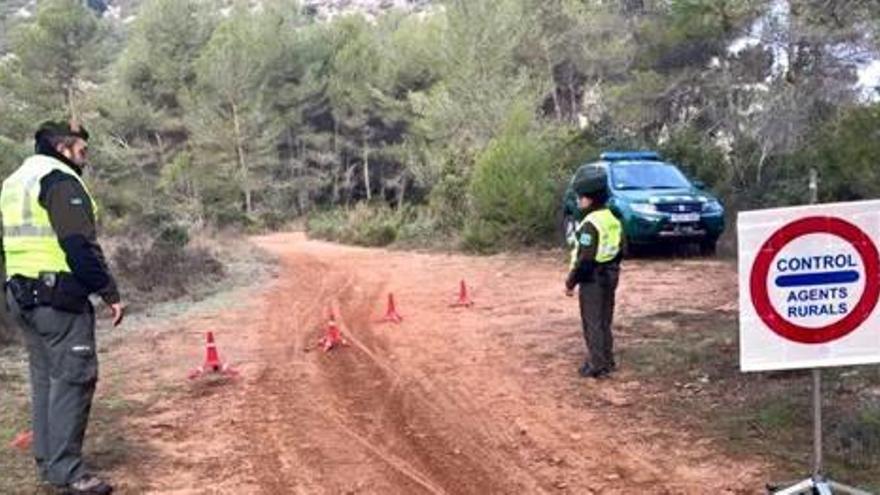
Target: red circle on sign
816,225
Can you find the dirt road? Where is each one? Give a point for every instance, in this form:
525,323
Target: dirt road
452,401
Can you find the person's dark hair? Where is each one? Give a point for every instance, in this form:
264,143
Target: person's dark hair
51,134
600,198
593,188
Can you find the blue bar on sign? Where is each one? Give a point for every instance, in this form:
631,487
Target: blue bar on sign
827,278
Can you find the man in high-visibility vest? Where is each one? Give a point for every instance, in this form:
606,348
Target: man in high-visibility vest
52,264
595,267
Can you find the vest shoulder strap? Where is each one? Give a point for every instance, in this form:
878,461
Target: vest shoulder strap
600,217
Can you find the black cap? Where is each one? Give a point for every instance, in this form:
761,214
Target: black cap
590,186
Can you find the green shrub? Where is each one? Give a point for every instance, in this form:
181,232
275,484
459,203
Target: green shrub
173,236
364,225
699,157
373,225
448,200
421,227
328,225
514,191
845,152
162,270
273,219
857,437
231,216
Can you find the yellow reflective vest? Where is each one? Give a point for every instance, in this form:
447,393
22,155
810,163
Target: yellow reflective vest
30,245
610,235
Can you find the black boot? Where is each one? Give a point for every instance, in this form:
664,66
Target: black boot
588,371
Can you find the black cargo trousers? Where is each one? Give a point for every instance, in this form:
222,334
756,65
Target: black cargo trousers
596,299
63,373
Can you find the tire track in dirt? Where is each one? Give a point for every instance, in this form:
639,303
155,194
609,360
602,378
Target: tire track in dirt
331,402
450,402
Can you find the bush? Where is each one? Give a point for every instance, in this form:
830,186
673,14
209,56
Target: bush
273,220
373,226
514,192
173,236
232,217
421,227
699,158
164,269
364,225
857,437
846,153
448,200
329,225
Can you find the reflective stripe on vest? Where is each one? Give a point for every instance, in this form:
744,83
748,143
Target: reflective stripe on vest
576,246
610,234
30,244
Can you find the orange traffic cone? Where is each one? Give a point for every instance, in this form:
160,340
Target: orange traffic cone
212,358
22,441
463,299
391,314
332,335
212,361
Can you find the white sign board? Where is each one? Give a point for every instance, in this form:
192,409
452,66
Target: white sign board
809,282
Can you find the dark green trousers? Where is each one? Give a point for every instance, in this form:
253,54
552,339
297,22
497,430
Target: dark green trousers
596,300
63,372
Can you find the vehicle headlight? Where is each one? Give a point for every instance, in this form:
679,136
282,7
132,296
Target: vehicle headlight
644,208
712,206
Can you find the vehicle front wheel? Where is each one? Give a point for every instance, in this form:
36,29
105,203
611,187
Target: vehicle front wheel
632,250
569,224
708,247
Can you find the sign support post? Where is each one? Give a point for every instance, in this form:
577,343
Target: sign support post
817,424
818,483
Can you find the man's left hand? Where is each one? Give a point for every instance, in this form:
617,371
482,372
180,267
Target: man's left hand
118,310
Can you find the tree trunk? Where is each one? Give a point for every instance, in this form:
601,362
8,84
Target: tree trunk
367,168
632,6
350,173
71,107
761,160
242,161
550,73
335,173
401,192
160,150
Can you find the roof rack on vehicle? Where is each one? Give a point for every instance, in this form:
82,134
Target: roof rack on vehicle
616,156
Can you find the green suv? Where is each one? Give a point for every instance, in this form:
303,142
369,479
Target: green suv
653,199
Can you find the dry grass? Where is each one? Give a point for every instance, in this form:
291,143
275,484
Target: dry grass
768,414
106,444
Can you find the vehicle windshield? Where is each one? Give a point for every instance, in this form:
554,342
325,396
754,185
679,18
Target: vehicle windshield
647,175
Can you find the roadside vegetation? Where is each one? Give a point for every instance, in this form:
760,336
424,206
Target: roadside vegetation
689,362
222,115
